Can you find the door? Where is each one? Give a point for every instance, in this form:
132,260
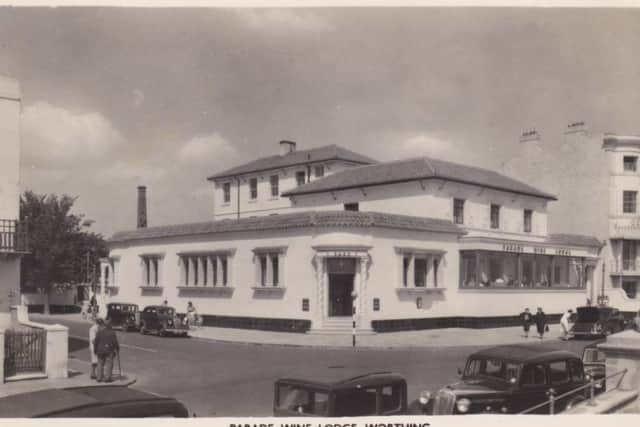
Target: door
533,389
341,274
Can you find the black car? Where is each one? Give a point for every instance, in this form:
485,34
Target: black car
597,321
123,316
510,379
594,362
90,402
162,320
381,393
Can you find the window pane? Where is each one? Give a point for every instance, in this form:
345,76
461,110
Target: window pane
458,211
274,265
300,178
420,272
534,375
227,192
558,372
629,201
527,220
319,171
405,270
391,398
630,163
275,191
253,184
263,270
495,216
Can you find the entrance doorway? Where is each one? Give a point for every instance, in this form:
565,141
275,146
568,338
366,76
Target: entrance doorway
341,273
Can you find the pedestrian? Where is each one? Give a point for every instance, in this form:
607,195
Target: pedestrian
541,322
564,323
93,330
165,303
106,347
526,319
192,314
93,306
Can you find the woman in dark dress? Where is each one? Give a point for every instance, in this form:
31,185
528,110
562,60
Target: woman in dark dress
527,318
541,322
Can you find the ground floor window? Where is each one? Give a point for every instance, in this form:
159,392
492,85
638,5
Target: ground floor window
480,269
269,262
207,269
151,265
420,269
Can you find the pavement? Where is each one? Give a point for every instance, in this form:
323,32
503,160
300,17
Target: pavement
449,337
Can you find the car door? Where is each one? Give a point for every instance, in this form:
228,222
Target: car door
532,389
561,382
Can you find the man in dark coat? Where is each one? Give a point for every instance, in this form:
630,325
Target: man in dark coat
527,318
541,322
106,347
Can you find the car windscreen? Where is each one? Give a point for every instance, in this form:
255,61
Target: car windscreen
492,369
593,355
588,314
167,311
302,400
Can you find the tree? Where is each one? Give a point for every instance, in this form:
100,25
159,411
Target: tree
59,242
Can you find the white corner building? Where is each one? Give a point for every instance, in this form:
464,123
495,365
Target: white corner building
304,240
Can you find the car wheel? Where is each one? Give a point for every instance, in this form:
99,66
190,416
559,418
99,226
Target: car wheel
573,402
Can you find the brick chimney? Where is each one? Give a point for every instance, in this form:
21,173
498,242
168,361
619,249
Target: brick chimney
530,136
287,147
142,207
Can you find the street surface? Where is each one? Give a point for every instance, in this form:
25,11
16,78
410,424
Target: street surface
224,379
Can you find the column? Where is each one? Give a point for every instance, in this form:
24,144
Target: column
411,274
220,271
429,282
269,270
201,268
183,271
211,277
318,313
519,269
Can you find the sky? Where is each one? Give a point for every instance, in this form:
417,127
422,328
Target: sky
114,98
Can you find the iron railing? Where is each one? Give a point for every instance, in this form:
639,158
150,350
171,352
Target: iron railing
591,385
13,236
24,351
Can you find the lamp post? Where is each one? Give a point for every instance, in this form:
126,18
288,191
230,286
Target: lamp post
354,296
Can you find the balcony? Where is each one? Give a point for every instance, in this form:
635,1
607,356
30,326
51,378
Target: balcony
13,237
624,267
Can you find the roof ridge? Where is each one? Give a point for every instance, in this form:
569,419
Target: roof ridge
427,160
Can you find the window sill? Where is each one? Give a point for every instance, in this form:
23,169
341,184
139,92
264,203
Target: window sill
156,290
508,289
269,291
419,291
272,198
221,291
252,201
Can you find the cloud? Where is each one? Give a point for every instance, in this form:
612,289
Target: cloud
205,149
53,137
426,145
283,20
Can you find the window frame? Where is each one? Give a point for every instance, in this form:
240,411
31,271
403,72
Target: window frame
628,204
630,161
300,181
458,211
494,216
226,192
275,185
253,188
316,169
527,220
266,258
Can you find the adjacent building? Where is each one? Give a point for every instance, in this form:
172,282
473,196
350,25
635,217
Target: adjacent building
417,243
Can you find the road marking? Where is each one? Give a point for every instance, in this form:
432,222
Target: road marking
135,347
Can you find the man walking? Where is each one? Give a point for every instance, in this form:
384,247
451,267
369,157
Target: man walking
106,348
527,319
93,330
541,322
564,323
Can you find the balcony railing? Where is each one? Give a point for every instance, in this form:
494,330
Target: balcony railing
625,266
13,236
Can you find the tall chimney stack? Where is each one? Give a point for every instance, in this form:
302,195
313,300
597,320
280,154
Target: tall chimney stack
142,207
287,147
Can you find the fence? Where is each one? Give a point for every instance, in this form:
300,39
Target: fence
591,385
24,351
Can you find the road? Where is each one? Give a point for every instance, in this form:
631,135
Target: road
224,379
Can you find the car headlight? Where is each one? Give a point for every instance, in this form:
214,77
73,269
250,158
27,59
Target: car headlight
463,405
170,322
597,385
425,397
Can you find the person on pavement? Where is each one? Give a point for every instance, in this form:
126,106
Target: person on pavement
527,318
541,322
564,323
106,347
93,330
192,314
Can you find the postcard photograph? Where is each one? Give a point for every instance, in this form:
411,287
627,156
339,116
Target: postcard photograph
319,212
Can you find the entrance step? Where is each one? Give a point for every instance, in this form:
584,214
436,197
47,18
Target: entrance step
26,376
339,326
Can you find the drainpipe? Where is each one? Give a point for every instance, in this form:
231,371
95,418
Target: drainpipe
238,197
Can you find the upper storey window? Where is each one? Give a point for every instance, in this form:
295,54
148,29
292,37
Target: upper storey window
528,219
319,171
226,190
630,163
458,211
629,199
274,180
495,216
300,177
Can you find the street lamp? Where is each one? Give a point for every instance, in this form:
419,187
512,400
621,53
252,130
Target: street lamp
354,296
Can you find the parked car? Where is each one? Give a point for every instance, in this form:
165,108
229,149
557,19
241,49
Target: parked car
594,362
90,402
597,321
163,321
510,379
380,393
123,316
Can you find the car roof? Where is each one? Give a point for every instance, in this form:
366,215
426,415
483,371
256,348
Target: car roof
364,380
43,403
160,307
524,353
126,304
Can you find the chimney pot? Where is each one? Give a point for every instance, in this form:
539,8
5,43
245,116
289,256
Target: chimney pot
287,147
142,207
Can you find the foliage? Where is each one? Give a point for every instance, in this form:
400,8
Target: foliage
62,250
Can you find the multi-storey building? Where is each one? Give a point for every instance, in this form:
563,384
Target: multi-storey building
13,243
416,243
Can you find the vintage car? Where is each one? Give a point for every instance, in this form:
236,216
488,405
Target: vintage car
162,320
510,379
90,402
381,393
597,321
123,316
594,360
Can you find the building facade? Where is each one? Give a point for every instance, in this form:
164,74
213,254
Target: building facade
418,243
13,243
